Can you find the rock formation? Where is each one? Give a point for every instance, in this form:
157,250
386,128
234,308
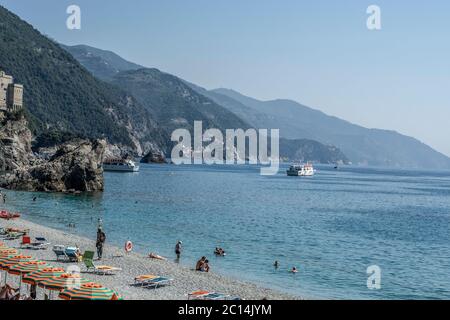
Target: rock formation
154,157
75,167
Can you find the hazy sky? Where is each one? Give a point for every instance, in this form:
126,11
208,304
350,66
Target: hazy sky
319,53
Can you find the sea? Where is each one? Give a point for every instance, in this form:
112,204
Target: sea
352,232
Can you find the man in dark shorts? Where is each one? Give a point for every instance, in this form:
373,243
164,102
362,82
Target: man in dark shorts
178,249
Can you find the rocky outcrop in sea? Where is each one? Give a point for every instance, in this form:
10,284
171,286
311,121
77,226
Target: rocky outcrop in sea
154,157
76,166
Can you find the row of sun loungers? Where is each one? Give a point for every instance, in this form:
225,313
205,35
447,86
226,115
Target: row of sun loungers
40,243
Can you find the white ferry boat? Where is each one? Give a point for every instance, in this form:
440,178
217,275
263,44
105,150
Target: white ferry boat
123,165
298,170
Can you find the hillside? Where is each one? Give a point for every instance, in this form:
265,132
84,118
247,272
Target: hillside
102,63
62,96
304,150
172,103
361,145
176,103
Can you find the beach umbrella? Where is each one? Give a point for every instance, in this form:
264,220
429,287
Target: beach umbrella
5,252
7,261
27,267
36,277
62,282
90,291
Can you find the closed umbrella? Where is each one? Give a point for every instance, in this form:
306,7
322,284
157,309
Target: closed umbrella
90,291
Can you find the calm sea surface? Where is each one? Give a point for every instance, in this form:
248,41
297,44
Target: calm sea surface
331,226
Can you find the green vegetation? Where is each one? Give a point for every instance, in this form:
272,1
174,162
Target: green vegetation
60,95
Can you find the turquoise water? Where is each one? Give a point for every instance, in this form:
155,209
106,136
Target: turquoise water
331,226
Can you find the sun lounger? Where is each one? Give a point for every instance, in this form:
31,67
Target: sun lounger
39,244
205,295
152,281
88,259
66,253
60,251
12,236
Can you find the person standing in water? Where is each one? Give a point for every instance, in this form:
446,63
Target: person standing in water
101,238
178,249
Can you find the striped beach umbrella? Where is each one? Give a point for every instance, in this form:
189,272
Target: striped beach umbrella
8,261
62,282
27,267
89,291
36,277
4,252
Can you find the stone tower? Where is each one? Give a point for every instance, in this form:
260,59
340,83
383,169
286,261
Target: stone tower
11,94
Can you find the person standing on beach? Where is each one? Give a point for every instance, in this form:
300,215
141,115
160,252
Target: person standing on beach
178,249
101,238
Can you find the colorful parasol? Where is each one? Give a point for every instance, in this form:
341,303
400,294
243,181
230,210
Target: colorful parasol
90,291
8,261
62,282
36,277
27,267
4,252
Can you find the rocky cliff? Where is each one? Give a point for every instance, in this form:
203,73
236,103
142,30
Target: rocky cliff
75,166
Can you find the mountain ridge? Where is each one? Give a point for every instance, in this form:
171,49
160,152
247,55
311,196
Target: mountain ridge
161,92
364,146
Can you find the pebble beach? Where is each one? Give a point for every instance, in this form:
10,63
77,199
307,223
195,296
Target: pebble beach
185,280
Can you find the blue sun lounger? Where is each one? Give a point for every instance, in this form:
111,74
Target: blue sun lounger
154,282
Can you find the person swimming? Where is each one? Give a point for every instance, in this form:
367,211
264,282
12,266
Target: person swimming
294,270
219,252
276,264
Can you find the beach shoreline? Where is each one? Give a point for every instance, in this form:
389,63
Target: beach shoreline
134,264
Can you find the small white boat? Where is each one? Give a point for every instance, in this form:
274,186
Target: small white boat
299,170
122,165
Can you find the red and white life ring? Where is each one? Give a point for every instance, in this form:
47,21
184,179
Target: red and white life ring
128,246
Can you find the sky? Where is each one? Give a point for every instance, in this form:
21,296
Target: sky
319,53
